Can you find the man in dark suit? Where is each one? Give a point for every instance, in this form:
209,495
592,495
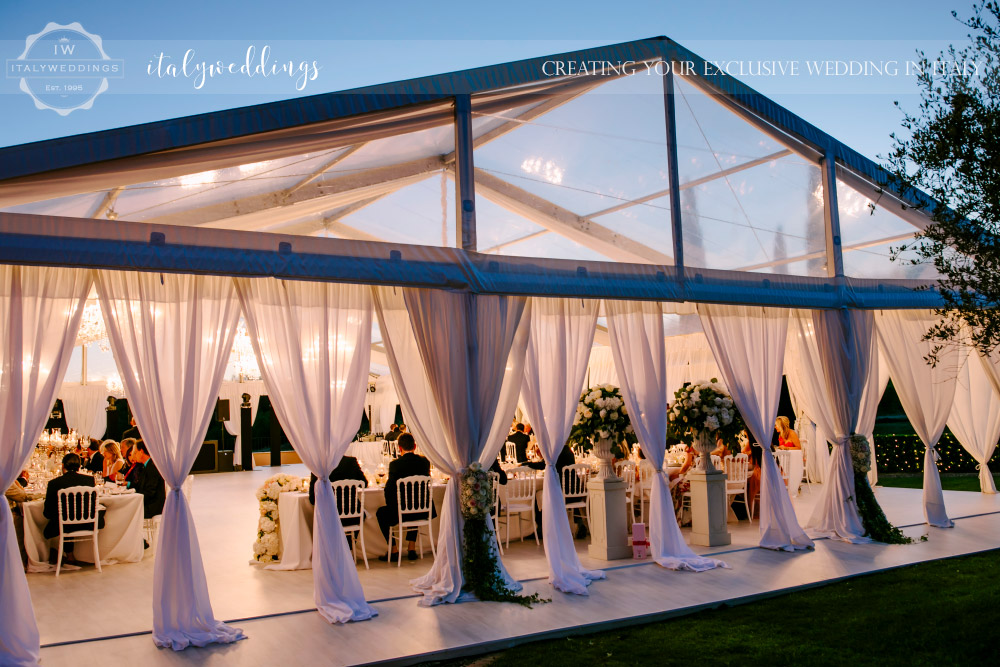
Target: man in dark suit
149,482
95,460
132,431
393,433
407,465
520,440
566,458
50,510
348,468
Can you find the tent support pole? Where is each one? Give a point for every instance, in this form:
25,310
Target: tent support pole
834,252
673,172
465,180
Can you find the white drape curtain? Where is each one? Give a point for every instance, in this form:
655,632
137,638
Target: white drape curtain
40,311
749,346
562,332
878,380
313,346
805,374
926,393
636,331
975,416
843,341
601,369
85,408
171,335
233,392
455,360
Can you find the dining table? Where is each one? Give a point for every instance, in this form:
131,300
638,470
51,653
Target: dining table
120,541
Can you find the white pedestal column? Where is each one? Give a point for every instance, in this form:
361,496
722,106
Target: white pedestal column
608,532
708,508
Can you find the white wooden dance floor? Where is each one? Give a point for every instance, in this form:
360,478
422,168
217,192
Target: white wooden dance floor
80,611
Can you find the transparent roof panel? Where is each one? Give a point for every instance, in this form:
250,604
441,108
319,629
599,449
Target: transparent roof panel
875,262
422,213
648,222
569,171
768,218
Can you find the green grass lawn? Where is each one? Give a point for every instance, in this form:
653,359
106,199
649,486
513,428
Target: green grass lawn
948,482
940,613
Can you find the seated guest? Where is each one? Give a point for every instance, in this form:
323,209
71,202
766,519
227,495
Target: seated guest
393,432
95,458
114,464
407,465
71,477
149,483
753,479
131,469
566,458
16,497
132,432
22,479
520,440
721,449
787,438
348,468
679,484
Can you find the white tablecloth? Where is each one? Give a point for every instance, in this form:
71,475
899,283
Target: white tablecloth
368,454
120,541
295,519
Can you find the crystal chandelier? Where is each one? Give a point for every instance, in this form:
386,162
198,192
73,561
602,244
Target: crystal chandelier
242,361
115,386
92,327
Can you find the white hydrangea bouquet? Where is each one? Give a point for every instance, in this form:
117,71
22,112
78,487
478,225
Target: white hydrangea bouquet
703,407
267,547
861,454
601,413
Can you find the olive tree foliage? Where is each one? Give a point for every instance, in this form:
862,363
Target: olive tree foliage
951,151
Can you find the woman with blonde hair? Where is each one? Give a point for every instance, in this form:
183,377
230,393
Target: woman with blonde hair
787,438
113,461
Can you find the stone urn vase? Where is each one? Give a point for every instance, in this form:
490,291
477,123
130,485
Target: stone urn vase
602,452
704,443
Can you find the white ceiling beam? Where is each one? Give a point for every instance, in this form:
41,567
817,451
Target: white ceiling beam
215,213
109,200
695,183
271,218
821,254
566,223
327,166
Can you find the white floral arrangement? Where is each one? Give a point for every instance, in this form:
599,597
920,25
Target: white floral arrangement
477,492
267,547
601,413
703,406
861,453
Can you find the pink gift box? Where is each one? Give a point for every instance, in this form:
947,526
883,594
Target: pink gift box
640,545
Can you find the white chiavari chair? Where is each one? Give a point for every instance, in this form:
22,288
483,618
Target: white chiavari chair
416,509
78,511
351,507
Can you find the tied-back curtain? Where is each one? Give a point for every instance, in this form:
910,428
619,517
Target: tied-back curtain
313,346
453,357
844,344
85,407
749,345
562,333
975,416
637,343
926,392
805,374
171,335
878,380
40,311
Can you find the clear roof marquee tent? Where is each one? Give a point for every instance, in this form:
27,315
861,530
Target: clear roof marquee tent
629,180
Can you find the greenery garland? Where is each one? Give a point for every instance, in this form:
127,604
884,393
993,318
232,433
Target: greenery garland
875,523
479,561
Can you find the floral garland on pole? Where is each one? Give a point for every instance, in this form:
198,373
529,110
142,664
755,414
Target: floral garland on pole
601,413
267,546
479,560
876,525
